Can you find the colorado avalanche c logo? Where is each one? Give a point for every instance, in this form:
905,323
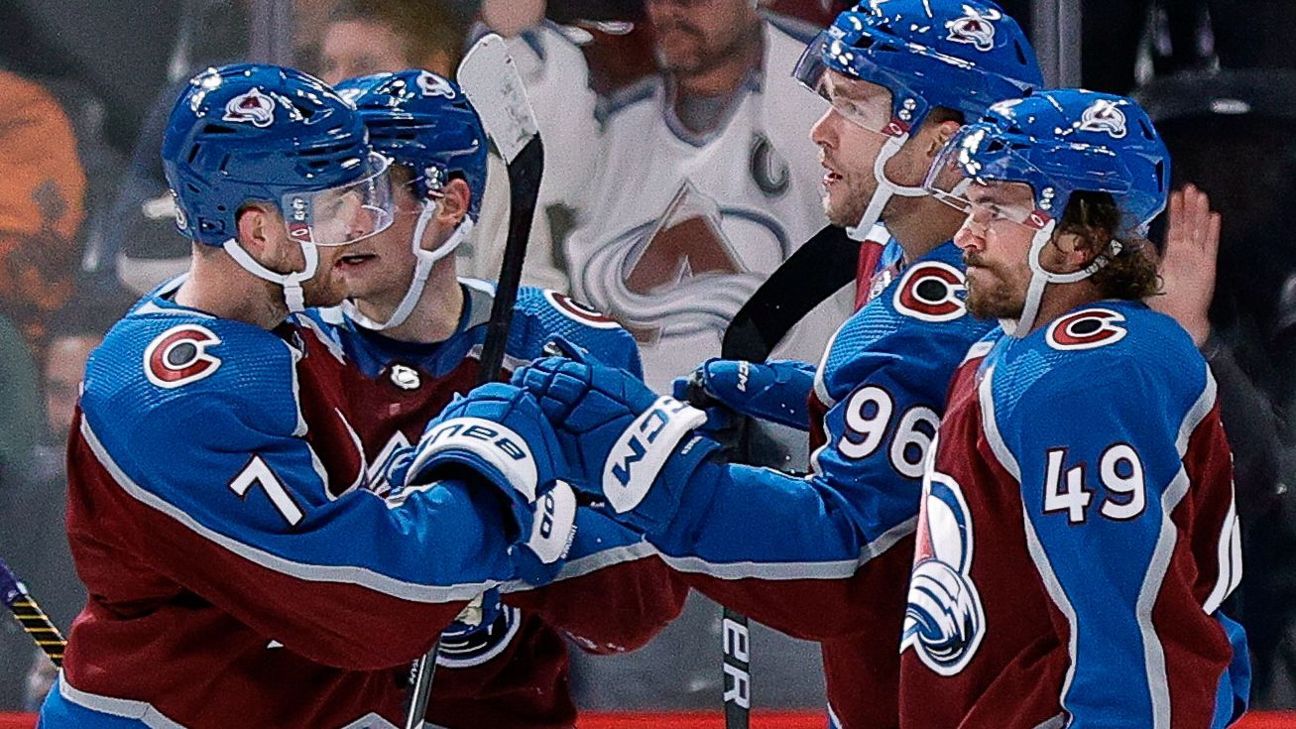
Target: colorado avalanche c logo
929,291
1104,116
975,28
578,312
433,85
252,107
1086,329
179,356
944,620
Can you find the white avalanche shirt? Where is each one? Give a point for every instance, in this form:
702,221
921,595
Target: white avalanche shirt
677,231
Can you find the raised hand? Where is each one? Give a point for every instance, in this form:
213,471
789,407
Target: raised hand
1188,266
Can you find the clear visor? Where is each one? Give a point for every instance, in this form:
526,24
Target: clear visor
865,104
344,214
985,187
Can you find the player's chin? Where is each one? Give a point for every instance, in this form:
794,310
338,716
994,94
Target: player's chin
329,291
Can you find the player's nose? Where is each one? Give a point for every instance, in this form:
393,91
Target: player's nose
824,131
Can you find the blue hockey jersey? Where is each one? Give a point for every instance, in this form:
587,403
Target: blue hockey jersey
826,557
1077,537
504,666
238,576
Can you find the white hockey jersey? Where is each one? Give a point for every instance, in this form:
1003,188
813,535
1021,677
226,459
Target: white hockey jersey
678,230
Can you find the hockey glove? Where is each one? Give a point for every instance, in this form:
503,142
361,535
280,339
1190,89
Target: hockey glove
499,433
776,392
630,449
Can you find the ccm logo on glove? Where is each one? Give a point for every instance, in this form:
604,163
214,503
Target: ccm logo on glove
499,446
641,451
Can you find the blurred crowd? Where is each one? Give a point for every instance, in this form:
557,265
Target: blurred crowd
626,93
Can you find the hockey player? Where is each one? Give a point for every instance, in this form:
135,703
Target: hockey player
238,576
901,76
408,339
1078,531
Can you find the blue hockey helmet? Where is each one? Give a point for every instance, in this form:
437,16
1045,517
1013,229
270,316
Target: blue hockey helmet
1037,152
1060,142
257,132
959,54
425,122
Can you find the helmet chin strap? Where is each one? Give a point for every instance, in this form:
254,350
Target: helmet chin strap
1040,278
424,260
291,283
886,189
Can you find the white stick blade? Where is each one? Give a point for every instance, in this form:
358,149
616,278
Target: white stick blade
492,82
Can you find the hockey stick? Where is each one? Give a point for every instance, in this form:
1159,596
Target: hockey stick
812,274
492,83
34,621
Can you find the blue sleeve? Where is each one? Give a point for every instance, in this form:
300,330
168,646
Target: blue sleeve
613,594
1098,484
747,535
547,313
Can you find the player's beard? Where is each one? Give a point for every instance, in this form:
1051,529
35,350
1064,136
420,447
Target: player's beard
990,295
854,191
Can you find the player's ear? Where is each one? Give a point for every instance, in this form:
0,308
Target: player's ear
456,197
1072,251
255,231
945,131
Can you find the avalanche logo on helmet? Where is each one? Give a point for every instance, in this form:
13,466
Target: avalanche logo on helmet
975,28
944,619
252,106
433,85
1104,116
179,356
929,291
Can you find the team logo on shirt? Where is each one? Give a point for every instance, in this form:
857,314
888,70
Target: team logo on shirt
578,312
252,107
944,619
975,28
930,291
179,356
1086,329
1104,116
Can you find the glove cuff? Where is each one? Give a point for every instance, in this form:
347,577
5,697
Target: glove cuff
685,470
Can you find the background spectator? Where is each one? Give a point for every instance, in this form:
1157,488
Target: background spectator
32,535
42,191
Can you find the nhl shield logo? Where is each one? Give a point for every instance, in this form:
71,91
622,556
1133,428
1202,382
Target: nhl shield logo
1104,116
975,28
433,85
252,107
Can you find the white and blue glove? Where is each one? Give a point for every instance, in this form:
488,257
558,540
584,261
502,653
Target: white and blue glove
629,448
498,433
775,392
